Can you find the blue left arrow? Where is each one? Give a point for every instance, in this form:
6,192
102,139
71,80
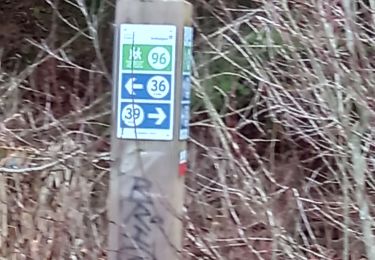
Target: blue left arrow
130,86
141,86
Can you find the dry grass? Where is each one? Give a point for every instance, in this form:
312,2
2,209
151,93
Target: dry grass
281,156
288,169
53,141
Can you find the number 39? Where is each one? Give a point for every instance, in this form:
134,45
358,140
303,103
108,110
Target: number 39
132,115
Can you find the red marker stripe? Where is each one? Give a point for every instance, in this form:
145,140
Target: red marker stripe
182,168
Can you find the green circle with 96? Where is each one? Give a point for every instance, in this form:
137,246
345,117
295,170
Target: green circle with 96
147,57
159,58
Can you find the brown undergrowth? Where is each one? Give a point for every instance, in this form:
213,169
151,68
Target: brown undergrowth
287,171
281,155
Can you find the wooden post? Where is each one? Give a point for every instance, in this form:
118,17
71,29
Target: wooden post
150,109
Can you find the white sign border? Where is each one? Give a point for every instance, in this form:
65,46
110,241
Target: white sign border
144,29
188,41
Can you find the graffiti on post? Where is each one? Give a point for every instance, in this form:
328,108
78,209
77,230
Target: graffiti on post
140,222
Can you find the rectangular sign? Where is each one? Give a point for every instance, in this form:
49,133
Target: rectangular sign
186,83
146,82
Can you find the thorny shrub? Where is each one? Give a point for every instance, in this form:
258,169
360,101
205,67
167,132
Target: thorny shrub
281,155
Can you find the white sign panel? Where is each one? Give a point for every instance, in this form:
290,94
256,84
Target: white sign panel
146,82
186,84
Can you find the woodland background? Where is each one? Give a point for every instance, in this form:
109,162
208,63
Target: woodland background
282,129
